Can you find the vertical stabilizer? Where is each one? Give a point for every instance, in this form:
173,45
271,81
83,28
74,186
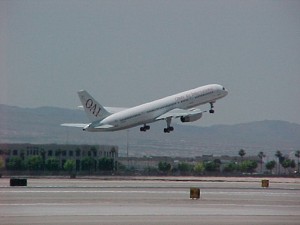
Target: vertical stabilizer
92,108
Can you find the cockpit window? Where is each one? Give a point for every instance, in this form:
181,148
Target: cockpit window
223,89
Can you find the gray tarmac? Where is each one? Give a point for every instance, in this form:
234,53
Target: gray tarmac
166,200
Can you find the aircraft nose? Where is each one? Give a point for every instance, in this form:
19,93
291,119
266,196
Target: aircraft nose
225,91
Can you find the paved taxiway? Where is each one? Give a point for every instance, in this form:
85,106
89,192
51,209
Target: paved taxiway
151,201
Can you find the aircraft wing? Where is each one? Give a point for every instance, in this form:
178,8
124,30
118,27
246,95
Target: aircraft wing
104,126
87,125
176,113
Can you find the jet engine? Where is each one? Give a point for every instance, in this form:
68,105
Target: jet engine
191,118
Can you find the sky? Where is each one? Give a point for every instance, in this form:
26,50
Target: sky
126,53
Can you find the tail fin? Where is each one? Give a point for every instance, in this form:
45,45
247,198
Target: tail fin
92,108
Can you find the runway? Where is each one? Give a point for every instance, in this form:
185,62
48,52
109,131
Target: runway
151,201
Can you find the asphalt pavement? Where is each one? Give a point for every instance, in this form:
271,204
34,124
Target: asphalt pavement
147,200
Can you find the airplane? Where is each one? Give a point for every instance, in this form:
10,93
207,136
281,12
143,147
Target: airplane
181,105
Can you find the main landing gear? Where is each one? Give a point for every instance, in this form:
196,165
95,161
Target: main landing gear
211,107
145,128
169,128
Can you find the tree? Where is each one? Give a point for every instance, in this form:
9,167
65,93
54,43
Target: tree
15,163
278,154
297,154
43,156
248,166
293,164
185,167
288,163
69,165
106,164
34,162
1,164
213,166
52,164
150,170
87,163
270,165
261,155
231,167
199,168
164,167
242,153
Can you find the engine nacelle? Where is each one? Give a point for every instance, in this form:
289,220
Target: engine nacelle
191,118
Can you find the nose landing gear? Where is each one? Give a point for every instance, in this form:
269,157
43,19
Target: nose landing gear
211,107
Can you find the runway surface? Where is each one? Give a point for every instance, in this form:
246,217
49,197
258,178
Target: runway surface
151,201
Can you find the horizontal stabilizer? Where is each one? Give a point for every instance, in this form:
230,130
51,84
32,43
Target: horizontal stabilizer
80,125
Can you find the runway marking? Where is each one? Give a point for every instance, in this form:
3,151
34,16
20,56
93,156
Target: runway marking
264,193
99,191
206,192
88,204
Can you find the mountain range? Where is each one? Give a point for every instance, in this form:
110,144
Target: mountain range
42,126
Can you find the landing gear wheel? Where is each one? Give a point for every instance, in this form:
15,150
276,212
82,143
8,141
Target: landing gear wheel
211,107
145,128
168,129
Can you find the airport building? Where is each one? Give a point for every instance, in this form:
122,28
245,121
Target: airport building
60,152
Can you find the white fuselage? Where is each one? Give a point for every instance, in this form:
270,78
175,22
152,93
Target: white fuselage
148,112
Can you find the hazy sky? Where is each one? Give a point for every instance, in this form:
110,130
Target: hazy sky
129,52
